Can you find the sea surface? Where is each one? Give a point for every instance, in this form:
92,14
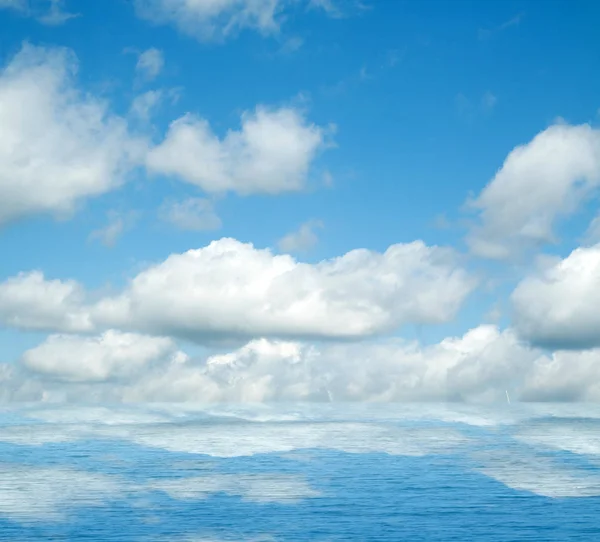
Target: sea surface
300,472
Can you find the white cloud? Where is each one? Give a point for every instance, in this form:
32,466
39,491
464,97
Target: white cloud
56,14
58,146
150,63
477,367
233,289
196,214
144,105
564,376
213,19
558,307
48,12
29,301
109,356
271,153
302,240
229,289
117,224
538,183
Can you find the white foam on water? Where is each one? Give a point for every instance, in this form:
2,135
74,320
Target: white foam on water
581,438
70,414
236,440
262,488
31,494
526,471
40,434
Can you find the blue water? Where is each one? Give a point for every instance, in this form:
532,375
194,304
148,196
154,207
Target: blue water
300,472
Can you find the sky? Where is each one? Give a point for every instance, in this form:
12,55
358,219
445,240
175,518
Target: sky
299,200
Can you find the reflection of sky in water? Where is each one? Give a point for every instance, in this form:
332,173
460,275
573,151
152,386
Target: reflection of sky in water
299,473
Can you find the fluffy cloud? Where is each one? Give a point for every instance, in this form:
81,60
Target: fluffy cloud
112,355
191,214
150,63
58,146
213,19
479,366
233,289
271,153
29,301
558,308
538,183
230,289
564,376
303,239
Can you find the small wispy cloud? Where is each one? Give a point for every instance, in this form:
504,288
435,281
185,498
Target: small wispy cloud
117,224
150,63
486,33
488,101
194,214
301,240
47,12
469,109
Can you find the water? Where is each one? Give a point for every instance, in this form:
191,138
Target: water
300,472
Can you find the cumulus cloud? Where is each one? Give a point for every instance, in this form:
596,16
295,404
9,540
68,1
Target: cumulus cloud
271,153
538,183
196,214
229,289
564,376
477,367
30,301
213,19
301,240
558,308
112,355
150,63
123,367
58,146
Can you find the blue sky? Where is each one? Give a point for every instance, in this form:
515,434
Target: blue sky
412,107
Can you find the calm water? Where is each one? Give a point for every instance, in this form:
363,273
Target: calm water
300,472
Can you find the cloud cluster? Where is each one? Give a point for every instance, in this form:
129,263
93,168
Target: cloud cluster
58,146
539,182
271,153
110,356
213,19
30,301
558,308
477,367
230,289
